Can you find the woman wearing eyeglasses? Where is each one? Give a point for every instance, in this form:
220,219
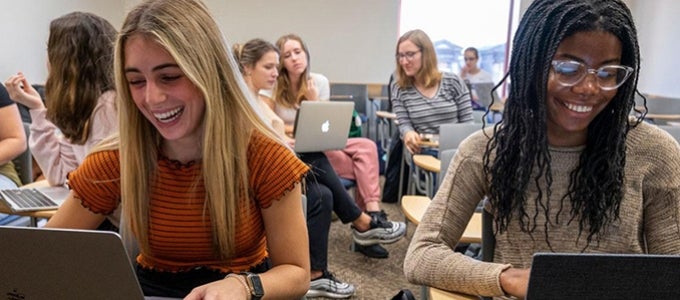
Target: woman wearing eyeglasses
426,97
471,72
567,170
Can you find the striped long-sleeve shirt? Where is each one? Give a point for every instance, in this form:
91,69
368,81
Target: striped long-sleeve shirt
180,233
451,104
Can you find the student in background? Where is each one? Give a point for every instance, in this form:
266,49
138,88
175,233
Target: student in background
80,94
206,199
12,141
325,192
568,169
471,73
423,89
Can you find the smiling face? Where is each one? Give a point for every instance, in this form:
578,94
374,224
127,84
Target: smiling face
265,71
571,109
294,58
410,64
163,93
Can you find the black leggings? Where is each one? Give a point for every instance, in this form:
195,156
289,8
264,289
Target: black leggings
325,193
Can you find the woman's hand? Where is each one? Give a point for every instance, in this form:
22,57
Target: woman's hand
227,288
412,141
312,92
22,92
515,282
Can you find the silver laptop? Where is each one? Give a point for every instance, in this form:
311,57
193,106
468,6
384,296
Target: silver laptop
40,263
33,199
322,125
604,276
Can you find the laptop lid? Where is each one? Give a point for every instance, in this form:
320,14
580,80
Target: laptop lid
322,125
483,91
604,276
34,199
40,263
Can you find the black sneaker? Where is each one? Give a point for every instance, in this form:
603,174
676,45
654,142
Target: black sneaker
381,231
372,251
330,287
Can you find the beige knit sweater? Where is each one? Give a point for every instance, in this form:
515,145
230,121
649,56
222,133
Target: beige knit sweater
649,215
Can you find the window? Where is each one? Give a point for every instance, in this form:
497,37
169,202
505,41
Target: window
454,25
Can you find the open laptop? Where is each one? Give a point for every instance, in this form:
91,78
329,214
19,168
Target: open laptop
322,125
604,276
483,90
40,263
33,199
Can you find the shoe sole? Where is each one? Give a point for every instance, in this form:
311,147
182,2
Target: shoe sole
315,293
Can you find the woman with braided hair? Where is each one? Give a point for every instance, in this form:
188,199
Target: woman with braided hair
567,170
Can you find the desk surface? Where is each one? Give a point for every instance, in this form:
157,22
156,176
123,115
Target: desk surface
35,214
437,294
427,162
414,208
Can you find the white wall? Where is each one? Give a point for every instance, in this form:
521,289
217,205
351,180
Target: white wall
24,28
350,40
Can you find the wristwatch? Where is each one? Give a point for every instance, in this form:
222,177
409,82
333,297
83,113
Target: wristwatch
255,285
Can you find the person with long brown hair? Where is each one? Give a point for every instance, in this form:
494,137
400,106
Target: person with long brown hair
79,110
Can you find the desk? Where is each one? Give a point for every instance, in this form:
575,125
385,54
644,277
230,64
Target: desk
414,208
671,117
386,115
45,214
437,294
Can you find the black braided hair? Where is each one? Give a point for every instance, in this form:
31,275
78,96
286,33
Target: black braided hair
520,145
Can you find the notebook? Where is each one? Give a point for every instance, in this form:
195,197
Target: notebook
322,125
33,199
40,263
483,91
604,276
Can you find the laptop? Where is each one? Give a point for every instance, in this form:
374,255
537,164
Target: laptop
322,125
604,276
39,263
34,199
483,90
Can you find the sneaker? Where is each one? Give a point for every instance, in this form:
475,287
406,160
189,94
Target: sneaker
330,287
382,231
372,251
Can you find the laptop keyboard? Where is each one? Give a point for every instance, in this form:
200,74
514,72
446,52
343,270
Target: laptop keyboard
29,198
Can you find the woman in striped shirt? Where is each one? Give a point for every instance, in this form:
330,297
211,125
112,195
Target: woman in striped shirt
426,97
210,193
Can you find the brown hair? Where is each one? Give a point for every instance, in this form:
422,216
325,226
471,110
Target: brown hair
428,72
283,93
80,53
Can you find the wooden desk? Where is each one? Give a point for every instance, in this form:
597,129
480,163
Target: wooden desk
427,162
671,117
437,294
386,115
414,208
33,214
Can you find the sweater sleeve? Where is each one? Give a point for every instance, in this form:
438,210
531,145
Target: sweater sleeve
274,169
431,259
52,151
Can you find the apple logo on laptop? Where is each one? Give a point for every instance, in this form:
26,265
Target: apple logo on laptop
325,126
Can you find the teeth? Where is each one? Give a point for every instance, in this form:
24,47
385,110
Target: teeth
168,116
578,108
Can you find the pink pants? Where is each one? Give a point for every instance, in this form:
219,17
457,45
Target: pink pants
359,162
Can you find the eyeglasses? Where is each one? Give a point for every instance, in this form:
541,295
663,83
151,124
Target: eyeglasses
408,55
609,77
470,58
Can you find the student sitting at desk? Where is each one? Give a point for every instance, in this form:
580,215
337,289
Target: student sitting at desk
567,170
214,205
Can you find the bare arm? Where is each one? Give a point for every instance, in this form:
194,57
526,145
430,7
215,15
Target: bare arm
12,135
73,215
287,241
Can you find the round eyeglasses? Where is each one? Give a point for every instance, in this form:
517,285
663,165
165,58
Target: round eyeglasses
609,77
407,55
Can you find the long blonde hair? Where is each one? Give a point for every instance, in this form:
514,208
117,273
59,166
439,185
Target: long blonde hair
188,32
283,93
429,73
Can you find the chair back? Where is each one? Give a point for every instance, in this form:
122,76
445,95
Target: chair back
24,162
451,134
445,157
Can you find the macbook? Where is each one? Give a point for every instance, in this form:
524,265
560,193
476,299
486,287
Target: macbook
33,199
322,125
604,276
40,263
